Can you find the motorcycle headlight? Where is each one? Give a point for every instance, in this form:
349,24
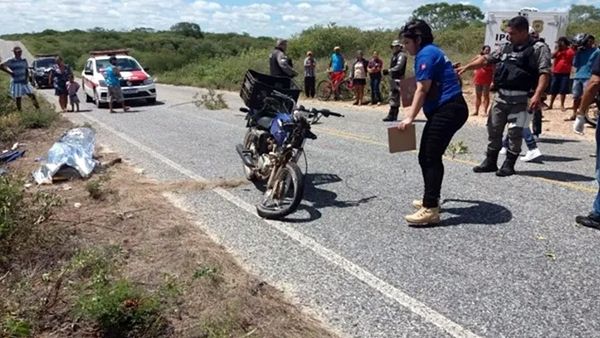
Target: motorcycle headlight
101,83
149,81
299,115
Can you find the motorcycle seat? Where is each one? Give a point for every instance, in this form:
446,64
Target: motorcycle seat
264,122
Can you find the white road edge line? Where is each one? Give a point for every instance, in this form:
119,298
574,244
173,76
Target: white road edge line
412,304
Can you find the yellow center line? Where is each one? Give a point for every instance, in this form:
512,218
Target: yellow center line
365,139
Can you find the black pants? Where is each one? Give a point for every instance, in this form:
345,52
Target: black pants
537,122
441,126
309,86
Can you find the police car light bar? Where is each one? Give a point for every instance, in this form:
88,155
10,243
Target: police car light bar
110,52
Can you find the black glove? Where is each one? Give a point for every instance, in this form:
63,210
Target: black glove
385,72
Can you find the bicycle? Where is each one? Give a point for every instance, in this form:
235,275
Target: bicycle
336,84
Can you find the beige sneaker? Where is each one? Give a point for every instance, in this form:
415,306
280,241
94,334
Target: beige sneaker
424,216
417,204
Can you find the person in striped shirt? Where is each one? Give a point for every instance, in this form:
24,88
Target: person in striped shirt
17,68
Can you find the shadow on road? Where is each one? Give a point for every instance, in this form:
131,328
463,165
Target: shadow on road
556,140
320,198
556,175
472,212
551,158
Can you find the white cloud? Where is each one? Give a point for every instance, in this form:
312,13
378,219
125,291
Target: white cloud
206,5
257,18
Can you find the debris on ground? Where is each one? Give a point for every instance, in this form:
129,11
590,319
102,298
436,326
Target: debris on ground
71,157
11,155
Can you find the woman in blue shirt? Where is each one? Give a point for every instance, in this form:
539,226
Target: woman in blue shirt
440,96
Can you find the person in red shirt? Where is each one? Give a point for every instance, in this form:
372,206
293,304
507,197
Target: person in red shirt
561,71
483,80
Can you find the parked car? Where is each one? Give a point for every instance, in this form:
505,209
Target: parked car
39,71
136,83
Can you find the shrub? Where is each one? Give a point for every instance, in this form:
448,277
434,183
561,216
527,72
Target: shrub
34,118
10,127
122,310
11,202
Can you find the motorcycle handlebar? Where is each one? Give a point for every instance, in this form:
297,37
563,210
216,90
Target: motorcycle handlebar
324,112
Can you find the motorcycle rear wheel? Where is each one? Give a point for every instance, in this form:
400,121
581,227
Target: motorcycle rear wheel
249,172
286,194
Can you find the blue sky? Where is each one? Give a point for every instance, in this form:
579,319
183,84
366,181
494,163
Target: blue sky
269,17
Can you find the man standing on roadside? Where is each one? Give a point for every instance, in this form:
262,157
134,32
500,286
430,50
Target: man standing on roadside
279,64
586,54
523,65
591,91
18,69
112,76
396,72
309,75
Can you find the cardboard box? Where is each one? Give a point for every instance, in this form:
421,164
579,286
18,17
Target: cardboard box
402,140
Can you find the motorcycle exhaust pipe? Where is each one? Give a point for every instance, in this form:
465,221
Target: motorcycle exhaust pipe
245,155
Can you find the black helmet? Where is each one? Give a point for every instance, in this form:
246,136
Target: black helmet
581,39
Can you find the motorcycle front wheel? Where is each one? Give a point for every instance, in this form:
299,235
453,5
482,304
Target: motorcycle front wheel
285,195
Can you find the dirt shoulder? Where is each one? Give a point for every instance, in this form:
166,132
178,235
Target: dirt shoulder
109,256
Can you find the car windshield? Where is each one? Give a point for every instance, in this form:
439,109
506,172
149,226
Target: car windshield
44,63
126,65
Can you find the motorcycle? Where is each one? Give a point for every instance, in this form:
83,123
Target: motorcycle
272,146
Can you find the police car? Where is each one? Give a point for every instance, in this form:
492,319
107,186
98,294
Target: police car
136,83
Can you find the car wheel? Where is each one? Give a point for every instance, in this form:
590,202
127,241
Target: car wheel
97,100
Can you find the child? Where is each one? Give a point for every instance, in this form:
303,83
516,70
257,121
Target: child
72,88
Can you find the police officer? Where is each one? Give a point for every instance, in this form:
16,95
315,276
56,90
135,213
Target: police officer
396,72
279,63
523,66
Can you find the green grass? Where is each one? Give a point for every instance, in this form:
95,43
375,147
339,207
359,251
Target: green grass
13,122
15,327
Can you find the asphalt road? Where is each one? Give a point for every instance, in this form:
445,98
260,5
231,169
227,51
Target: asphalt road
507,260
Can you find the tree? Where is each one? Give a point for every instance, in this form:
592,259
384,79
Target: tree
143,30
584,13
442,15
188,29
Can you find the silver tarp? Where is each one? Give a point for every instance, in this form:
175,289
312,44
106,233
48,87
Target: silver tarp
75,150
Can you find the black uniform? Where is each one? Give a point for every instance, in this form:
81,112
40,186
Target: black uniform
396,72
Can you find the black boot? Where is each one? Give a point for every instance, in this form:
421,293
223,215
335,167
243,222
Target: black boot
489,165
508,167
392,115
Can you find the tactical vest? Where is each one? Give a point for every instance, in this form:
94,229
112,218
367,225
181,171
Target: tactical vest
514,71
399,73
